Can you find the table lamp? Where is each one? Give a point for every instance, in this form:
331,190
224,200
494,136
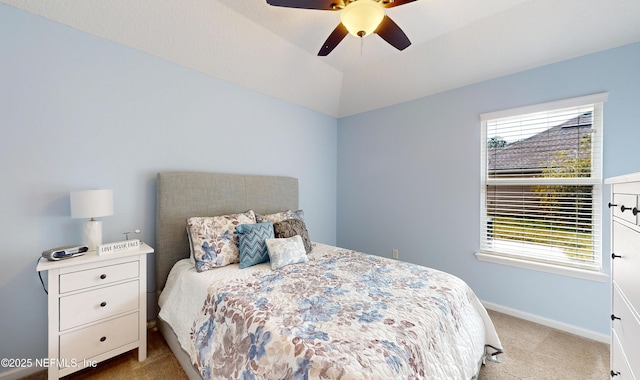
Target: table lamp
91,204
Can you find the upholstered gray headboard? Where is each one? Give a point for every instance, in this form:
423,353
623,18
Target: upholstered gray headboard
185,194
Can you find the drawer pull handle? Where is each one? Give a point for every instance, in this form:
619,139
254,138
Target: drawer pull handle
103,276
623,208
103,304
635,211
614,256
612,205
614,373
103,338
613,317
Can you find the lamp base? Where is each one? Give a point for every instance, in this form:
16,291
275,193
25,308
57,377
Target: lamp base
92,234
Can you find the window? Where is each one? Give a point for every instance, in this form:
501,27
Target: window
541,186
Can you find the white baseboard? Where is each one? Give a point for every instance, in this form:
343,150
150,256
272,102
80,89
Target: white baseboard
604,338
19,373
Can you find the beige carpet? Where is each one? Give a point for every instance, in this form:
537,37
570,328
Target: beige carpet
532,351
160,364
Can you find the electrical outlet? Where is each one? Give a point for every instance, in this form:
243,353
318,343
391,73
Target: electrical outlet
394,254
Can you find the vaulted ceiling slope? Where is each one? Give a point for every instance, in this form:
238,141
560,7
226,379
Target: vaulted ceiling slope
273,50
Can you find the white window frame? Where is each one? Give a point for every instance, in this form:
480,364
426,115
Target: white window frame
595,273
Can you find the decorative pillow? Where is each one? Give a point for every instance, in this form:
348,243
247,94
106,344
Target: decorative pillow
298,214
280,216
286,251
251,237
292,227
214,240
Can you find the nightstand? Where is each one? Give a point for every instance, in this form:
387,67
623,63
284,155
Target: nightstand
97,308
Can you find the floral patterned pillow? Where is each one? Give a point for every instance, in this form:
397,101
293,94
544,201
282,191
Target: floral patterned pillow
280,216
286,251
214,240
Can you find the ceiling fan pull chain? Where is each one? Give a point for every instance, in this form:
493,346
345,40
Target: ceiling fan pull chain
361,43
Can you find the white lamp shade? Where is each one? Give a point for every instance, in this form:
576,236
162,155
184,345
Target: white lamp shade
91,203
362,17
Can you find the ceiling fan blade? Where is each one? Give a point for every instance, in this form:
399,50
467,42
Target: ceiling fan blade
334,39
395,3
391,32
327,5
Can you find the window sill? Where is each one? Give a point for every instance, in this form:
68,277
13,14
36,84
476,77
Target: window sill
543,267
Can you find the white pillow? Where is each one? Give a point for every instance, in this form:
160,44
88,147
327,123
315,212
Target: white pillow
286,251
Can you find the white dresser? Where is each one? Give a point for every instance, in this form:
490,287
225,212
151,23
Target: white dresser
625,276
97,308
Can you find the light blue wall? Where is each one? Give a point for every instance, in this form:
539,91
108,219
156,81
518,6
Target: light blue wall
409,178
80,112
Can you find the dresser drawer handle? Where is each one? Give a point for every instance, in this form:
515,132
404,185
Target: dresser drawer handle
103,338
103,304
623,208
103,276
613,317
635,211
614,256
612,205
614,373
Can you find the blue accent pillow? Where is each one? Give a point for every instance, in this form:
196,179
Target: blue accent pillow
251,237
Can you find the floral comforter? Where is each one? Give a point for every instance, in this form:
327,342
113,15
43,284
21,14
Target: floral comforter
342,315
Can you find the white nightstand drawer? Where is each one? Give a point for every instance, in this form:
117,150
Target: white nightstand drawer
627,329
93,305
98,276
98,339
628,201
626,269
619,363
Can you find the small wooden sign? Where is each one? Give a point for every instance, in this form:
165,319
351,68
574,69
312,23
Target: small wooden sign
118,246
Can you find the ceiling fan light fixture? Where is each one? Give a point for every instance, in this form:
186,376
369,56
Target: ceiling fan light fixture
362,17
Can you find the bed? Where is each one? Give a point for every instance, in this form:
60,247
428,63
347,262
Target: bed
331,313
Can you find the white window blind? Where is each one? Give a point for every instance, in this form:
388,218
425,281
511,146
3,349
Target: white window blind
541,183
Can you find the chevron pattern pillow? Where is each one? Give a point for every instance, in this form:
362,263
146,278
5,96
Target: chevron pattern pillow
251,237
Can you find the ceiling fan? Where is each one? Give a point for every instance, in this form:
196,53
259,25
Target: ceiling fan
357,17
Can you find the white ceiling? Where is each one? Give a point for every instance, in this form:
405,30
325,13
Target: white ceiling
273,50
